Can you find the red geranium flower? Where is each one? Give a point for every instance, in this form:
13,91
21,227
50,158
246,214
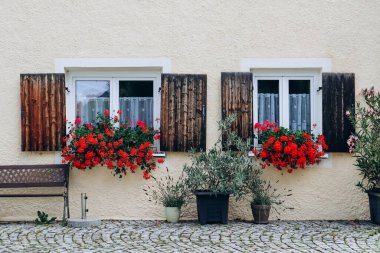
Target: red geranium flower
141,124
146,175
263,154
134,152
277,146
77,121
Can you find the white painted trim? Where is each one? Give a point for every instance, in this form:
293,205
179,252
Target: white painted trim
64,64
247,64
114,76
283,75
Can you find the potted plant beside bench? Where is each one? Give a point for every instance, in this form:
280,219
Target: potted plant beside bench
169,192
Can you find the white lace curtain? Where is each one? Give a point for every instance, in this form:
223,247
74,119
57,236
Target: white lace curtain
133,109
268,107
299,110
137,108
89,107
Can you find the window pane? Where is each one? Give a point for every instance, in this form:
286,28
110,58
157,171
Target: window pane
136,101
268,100
92,97
299,105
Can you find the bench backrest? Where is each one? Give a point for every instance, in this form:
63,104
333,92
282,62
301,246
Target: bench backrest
46,175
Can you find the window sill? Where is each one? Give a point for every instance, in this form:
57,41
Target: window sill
159,154
325,156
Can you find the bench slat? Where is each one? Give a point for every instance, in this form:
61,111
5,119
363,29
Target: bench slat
32,195
36,166
33,185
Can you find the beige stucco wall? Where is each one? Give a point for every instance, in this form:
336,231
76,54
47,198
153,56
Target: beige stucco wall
198,37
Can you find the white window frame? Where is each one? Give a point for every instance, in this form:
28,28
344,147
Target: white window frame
156,95
139,65
284,75
114,93
114,76
316,65
283,82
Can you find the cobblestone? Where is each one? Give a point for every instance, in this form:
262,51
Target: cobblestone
157,236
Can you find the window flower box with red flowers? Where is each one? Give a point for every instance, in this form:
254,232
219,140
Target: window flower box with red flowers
285,149
120,147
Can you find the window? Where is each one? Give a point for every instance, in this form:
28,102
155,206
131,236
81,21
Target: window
136,94
91,97
288,97
136,101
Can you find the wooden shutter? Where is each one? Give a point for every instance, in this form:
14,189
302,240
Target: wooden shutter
237,92
338,91
183,112
42,111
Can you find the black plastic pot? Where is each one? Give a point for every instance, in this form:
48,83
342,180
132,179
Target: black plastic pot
374,206
212,207
260,213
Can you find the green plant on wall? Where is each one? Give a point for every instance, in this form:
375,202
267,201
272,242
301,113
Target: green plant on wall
43,219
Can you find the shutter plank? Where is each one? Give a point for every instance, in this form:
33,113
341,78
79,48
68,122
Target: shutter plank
164,112
42,111
184,112
237,92
338,96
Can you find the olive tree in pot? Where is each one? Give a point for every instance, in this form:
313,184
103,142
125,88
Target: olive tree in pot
365,144
264,197
170,193
219,172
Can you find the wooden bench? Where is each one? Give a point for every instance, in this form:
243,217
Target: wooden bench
47,175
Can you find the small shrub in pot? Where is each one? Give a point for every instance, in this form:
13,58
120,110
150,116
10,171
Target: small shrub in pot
264,197
170,193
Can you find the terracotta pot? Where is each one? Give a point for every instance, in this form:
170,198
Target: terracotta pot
172,214
260,213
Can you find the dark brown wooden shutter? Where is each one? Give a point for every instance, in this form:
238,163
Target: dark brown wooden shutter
42,111
237,93
183,112
338,96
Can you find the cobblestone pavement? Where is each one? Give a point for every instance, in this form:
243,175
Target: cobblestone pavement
157,236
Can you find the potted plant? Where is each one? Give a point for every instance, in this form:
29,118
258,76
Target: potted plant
170,193
365,144
219,172
287,149
264,197
121,147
